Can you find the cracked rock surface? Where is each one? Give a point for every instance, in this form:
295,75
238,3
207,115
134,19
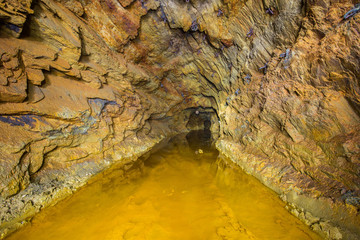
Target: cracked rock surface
87,84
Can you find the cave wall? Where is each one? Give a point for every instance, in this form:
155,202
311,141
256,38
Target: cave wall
86,84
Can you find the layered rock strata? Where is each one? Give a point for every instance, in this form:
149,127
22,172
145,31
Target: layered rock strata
86,84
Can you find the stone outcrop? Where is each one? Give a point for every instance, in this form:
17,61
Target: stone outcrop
86,84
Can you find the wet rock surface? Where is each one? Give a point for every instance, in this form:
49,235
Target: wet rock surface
85,84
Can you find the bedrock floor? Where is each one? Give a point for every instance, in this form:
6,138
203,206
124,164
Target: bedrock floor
176,193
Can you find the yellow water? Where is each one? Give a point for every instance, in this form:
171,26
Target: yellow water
176,194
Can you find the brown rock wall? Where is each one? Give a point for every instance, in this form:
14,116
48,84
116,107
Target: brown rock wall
84,84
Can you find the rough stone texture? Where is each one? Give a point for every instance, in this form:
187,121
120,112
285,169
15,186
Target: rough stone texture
85,84
13,15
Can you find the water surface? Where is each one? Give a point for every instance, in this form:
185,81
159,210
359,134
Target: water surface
176,194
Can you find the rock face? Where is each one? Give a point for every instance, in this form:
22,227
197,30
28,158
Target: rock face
86,84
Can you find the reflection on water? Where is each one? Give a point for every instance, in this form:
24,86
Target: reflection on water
179,194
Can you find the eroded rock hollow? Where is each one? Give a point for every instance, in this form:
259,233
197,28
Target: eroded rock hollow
87,84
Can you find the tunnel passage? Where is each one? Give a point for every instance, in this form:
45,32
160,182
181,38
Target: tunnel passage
281,105
203,119
203,126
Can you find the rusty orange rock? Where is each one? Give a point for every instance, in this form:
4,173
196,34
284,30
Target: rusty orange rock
85,84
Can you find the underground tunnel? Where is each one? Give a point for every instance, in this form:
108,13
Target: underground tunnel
187,113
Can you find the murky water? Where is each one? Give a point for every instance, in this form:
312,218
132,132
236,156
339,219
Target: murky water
176,194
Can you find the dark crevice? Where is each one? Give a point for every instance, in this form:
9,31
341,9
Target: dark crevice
210,82
26,31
